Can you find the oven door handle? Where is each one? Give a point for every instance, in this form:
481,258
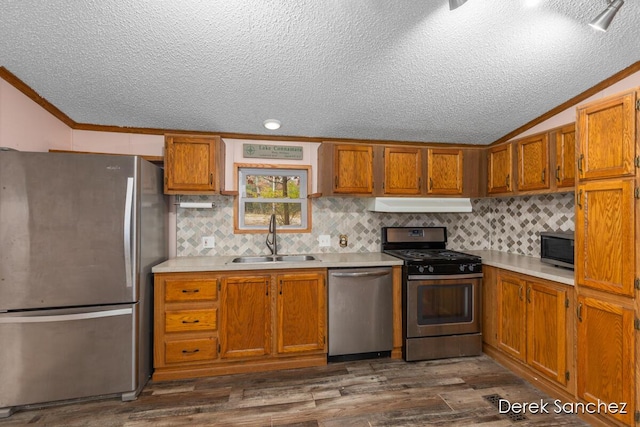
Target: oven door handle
446,277
361,274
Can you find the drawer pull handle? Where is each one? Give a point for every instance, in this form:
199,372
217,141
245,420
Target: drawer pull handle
190,351
191,321
558,174
190,291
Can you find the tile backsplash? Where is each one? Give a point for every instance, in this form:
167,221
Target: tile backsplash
505,224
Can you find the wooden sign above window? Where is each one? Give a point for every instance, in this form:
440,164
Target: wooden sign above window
262,151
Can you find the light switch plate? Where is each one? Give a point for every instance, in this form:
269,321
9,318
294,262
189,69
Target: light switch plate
324,240
208,242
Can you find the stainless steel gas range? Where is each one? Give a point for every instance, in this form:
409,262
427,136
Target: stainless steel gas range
440,292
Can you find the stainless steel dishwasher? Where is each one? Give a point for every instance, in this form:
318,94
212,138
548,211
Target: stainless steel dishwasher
360,313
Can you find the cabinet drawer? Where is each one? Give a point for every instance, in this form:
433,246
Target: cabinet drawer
191,320
191,290
193,350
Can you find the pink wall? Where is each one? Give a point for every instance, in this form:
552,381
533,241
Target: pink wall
26,126
117,143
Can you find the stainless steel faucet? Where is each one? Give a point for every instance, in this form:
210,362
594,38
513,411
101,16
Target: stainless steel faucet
272,238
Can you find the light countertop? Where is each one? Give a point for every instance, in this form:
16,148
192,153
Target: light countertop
324,260
529,265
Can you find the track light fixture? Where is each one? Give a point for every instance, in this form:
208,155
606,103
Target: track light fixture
454,4
602,21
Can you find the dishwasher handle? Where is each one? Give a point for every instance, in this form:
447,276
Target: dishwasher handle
361,274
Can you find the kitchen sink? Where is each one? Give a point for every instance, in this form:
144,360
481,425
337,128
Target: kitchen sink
251,259
295,258
273,258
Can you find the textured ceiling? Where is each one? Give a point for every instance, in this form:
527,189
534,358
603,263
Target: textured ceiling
407,70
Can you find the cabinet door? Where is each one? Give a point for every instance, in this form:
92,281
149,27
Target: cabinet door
353,169
245,311
604,238
565,170
606,354
499,165
301,312
512,324
444,171
533,163
189,164
490,305
546,330
607,137
402,170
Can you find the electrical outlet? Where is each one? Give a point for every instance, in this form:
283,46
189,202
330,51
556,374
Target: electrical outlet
324,240
208,242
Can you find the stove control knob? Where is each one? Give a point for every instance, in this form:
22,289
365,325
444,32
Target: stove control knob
421,269
430,269
461,267
471,267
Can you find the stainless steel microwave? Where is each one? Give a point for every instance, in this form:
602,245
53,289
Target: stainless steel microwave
557,249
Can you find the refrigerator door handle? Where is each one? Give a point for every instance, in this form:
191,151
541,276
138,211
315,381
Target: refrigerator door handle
65,317
128,208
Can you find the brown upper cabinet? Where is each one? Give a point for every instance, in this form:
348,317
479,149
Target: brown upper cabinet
533,162
565,167
402,171
192,164
353,169
499,166
444,171
605,236
606,137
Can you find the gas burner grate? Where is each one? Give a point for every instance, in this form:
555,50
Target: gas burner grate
436,255
494,399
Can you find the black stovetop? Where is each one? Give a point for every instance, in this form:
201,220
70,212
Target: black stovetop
417,256
424,252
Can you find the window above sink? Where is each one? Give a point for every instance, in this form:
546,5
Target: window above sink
263,191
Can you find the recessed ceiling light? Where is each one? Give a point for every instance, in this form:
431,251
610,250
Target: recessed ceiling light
272,124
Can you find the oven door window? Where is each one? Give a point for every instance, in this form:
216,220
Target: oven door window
442,304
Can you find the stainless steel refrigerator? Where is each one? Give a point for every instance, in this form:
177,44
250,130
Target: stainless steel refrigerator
79,234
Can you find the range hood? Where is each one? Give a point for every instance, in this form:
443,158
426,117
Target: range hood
418,204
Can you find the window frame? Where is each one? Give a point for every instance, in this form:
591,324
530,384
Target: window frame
268,169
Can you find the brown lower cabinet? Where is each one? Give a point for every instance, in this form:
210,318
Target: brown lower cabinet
532,323
222,323
579,347
606,353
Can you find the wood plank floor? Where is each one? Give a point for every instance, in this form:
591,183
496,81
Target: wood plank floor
378,392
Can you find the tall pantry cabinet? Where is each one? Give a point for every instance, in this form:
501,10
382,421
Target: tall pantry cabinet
606,247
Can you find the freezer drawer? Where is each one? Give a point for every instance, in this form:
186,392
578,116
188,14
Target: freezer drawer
50,355
360,310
